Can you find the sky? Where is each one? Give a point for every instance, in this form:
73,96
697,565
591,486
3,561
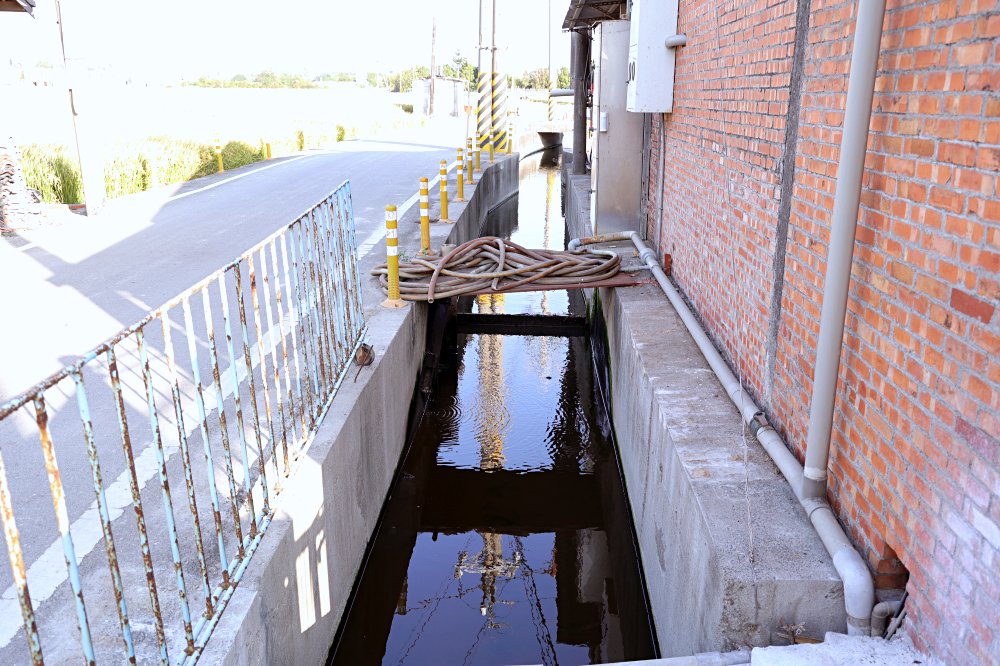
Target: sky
221,38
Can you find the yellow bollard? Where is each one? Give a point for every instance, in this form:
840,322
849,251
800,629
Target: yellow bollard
392,259
468,161
478,150
267,149
510,137
425,220
459,179
218,154
444,191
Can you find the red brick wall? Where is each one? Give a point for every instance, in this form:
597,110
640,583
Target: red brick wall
720,238
915,465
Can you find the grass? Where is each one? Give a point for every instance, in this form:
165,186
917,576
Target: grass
139,166
54,172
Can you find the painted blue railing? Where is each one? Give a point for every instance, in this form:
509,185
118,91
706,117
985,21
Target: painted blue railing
267,389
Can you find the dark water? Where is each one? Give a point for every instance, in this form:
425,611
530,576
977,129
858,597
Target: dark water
506,540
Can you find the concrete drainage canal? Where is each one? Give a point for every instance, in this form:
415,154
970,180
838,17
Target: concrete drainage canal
507,537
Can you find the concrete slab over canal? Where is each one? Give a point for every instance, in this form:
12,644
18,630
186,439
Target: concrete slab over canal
729,556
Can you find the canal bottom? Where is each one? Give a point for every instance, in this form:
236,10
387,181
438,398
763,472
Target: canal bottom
506,538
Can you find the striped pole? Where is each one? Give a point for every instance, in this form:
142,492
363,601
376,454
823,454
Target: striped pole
468,161
392,259
484,107
460,196
478,152
443,173
425,220
499,110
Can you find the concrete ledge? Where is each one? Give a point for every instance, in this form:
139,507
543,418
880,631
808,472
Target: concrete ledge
699,495
288,606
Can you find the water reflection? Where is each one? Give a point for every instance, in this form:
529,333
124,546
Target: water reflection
506,540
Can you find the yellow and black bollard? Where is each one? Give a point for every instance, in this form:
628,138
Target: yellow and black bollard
499,111
477,149
425,220
444,191
468,161
218,154
392,259
484,108
460,196
510,136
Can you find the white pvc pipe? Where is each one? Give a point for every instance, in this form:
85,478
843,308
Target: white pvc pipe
840,255
859,590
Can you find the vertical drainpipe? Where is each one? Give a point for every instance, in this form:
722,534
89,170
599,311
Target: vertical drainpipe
859,592
581,65
853,144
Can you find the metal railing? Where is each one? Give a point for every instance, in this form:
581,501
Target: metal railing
253,418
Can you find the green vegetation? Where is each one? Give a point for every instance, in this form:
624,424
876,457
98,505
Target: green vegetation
53,172
338,77
562,78
265,79
538,79
403,81
460,68
140,166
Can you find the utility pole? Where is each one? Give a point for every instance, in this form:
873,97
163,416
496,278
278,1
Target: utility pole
581,65
91,161
479,51
551,109
430,105
493,47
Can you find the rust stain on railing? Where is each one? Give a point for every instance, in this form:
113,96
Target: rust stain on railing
304,293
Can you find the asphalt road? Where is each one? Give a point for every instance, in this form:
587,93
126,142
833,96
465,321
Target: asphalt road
68,287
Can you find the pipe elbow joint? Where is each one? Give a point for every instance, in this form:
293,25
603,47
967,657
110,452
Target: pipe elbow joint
859,591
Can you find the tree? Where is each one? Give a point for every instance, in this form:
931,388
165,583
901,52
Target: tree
461,67
562,78
267,79
537,79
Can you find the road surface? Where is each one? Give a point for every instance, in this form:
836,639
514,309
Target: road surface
67,288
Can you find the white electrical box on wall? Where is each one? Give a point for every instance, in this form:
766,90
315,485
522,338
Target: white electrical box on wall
650,63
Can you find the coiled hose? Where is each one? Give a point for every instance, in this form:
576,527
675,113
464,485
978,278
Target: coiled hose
496,264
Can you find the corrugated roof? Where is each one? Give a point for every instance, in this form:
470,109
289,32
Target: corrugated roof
585,13
17,6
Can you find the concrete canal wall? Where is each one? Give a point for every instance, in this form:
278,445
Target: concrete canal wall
729,556
288,606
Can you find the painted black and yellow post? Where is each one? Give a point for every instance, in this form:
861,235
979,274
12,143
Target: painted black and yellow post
499,111
484,121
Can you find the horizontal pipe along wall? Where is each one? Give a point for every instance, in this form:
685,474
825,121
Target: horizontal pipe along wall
716,579
289,605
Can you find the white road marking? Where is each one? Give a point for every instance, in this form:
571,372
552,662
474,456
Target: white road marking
238,176
376,236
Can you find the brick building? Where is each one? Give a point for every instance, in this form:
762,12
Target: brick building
740,193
